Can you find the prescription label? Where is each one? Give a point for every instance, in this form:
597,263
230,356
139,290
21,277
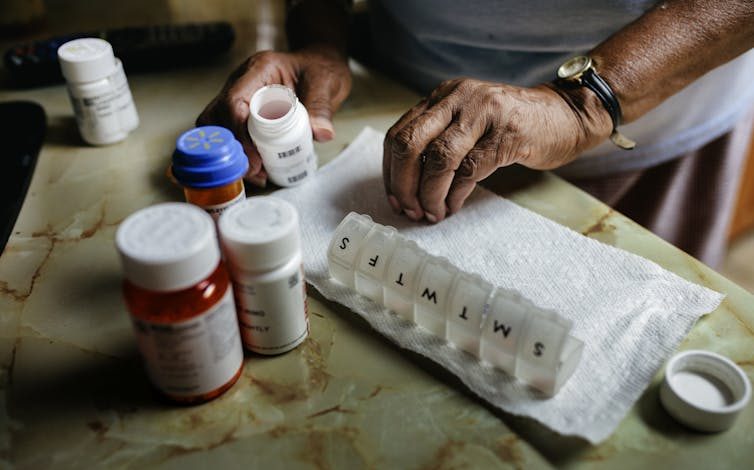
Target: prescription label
195,356
272,313
217,210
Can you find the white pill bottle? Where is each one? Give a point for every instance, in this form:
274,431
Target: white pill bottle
262,244
279,126
99,91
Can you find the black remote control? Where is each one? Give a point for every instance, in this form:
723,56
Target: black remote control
141,49
22,130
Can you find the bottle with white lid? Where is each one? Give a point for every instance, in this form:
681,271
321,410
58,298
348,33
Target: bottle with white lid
181,303
262,244
99,91
279,126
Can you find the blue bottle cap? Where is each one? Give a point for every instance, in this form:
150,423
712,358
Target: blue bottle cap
207,157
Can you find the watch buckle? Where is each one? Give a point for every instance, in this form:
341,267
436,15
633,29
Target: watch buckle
621,140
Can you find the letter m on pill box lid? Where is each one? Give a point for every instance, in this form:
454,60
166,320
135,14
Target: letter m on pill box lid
208,157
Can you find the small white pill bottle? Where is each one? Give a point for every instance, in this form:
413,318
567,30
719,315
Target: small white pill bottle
99,91
262,244
279,126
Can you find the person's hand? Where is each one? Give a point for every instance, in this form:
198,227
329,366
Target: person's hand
437,152
320,77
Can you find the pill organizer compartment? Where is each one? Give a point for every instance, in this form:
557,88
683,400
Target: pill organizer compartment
431,294
540,349
503,328
345,246
375,253
400,278
570,356
469,298
495,324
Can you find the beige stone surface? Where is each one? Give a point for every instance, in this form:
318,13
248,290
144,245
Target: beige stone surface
738,265
72,390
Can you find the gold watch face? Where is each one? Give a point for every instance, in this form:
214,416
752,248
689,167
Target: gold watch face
574,67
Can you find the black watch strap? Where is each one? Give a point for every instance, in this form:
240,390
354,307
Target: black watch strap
603,91
594,82
580,70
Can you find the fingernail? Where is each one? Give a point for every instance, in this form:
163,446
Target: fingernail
394,203
322,129
430,217
411,214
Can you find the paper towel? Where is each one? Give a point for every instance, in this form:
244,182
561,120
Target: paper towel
630,313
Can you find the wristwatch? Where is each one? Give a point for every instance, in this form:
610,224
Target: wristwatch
580,70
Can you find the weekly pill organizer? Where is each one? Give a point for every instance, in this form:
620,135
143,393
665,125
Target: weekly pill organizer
496,325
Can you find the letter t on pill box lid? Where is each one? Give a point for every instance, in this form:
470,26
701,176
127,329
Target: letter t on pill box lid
86,59
260,233
704,390
208,157
168,247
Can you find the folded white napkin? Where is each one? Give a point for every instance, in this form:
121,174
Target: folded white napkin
630,313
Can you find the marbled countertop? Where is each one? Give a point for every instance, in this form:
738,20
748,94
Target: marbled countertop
72,390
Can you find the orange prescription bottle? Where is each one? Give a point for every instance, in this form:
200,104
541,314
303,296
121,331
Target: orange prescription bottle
180,298
210,164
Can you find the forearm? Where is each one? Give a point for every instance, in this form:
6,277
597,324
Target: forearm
318,23
669,47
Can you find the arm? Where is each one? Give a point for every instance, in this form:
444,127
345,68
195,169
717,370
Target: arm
670,46
467,128
322,23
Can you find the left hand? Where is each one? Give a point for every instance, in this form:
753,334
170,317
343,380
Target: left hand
320,76
437,152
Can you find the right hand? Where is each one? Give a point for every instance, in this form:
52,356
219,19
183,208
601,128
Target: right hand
319,75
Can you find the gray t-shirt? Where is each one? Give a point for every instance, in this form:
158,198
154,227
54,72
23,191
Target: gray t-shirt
523,42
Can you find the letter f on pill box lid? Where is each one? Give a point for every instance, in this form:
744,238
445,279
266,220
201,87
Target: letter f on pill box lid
168,247
208,157
86,59
260,233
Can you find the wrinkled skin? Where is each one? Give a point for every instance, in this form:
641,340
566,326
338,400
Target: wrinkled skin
320,77
437,152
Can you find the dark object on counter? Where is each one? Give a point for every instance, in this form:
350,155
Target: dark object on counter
22,130
142,49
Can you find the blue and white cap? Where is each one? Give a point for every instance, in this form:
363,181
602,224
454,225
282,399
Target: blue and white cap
208,157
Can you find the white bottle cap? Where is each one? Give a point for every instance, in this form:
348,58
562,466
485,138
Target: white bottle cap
260,233
704,390
168,247
86,59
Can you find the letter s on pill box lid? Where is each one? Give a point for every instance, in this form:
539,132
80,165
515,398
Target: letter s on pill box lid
208,157
260,233
168,247
86,59
703,390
